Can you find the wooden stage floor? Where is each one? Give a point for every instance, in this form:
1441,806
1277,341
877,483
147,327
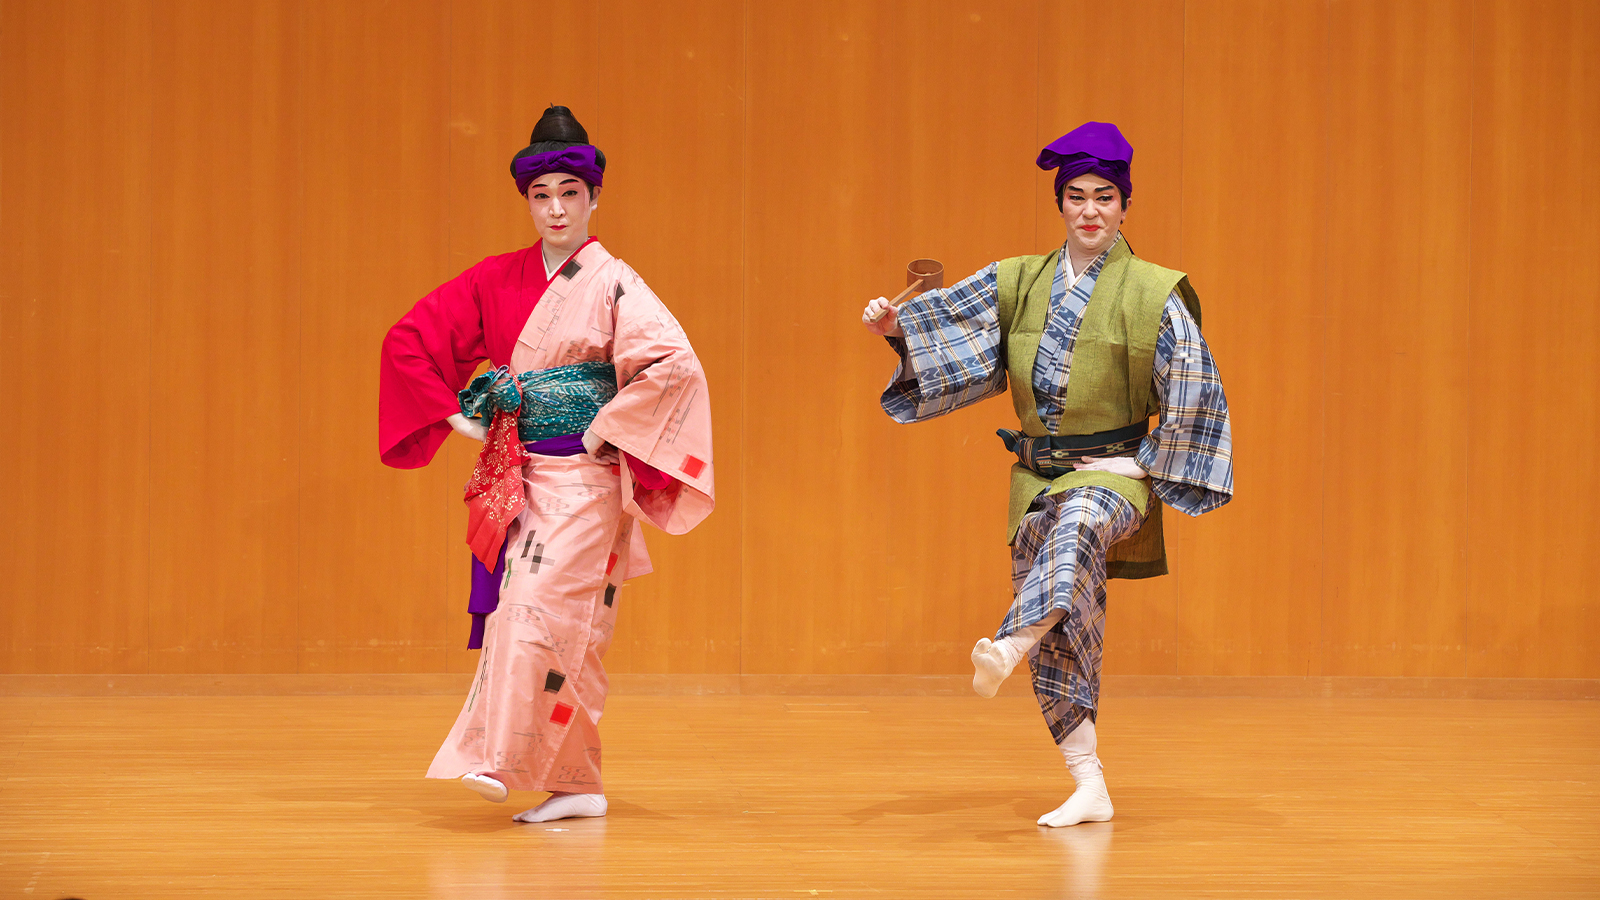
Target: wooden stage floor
785,797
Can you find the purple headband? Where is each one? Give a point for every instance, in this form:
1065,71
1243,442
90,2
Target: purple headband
1093,147
578,160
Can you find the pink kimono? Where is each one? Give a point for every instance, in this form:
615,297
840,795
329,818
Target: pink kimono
531,716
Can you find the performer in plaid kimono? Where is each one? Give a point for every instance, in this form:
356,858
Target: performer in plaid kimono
1093,342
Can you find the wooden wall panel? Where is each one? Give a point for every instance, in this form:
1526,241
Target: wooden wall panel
222,208
225,317
75,284
672,111
871,547
1400,87
1534,542
1144,97
373,542
1253,241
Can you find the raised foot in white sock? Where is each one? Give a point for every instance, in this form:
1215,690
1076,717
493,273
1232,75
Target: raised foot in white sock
565,806
989,667
486,787
1089,803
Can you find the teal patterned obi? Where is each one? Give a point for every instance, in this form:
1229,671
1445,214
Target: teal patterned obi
548,403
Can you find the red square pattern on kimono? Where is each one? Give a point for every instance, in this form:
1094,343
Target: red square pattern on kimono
562,714
692,467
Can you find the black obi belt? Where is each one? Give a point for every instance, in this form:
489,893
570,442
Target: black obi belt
1055,455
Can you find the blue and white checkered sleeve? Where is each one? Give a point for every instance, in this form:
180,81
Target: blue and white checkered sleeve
950,356
1190,453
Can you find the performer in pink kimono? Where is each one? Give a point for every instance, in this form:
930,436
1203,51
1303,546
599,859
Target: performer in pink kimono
595,416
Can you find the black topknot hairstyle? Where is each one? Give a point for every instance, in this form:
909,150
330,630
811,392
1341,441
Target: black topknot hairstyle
557,129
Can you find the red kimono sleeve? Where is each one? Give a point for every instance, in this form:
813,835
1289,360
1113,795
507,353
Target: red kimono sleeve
428,356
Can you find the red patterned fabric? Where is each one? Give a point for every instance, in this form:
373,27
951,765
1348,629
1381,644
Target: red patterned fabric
494,492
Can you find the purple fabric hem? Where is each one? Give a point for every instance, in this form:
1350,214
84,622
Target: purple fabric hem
485,595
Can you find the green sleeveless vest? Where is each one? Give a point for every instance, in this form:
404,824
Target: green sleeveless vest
1113,362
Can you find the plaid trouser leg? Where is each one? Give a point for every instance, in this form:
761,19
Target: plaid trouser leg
1059,562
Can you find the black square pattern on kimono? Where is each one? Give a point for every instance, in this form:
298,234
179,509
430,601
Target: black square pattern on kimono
611,594
553,681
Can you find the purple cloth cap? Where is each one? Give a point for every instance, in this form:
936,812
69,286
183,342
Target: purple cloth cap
1093,147
578,160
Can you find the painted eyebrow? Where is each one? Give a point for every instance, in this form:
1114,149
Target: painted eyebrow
563,181
1076,189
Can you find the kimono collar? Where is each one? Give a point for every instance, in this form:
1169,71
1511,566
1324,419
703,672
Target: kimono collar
1094,264
576,262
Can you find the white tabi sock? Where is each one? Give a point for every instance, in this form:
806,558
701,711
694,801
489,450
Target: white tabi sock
564,806
992,661
489,788
1089,801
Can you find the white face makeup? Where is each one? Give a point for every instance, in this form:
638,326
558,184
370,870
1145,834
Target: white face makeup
561,205
1092,209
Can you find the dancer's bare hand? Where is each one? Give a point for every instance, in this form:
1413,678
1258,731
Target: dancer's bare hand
1116,465
881,318
467,428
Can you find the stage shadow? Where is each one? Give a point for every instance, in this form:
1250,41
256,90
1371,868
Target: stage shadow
478,821
471,821
455,811
934,804
622,809
1133,815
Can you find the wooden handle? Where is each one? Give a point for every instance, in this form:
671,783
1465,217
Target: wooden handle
899,298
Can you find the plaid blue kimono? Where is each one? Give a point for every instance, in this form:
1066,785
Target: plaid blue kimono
950,358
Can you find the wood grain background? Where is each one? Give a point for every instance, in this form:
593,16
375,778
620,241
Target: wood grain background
211,212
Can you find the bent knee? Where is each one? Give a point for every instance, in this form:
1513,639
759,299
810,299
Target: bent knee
1091,509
